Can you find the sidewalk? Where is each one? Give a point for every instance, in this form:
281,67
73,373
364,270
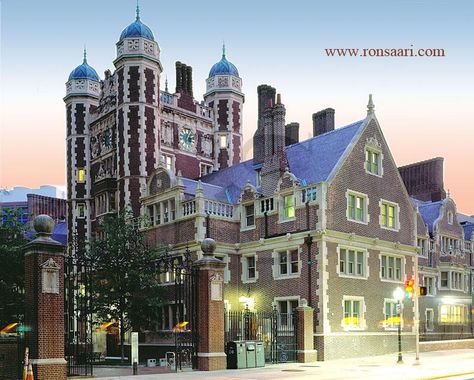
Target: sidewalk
433,365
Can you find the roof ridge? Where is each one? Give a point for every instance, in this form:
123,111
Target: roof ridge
327,133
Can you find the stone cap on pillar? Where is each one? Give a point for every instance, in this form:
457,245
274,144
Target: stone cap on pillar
303,305
44,226
208,246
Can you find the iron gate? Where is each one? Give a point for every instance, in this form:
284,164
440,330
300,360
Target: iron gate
277,331
78,315
185,310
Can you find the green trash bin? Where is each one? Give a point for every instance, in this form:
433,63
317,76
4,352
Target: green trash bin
259,354
236,355
250,350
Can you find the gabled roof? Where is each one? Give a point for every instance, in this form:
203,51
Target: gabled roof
463,218
468,230
314,160
311,161
430,212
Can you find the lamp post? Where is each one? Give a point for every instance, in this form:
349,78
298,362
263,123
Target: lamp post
398,294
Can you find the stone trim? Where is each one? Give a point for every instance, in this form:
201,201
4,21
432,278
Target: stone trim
48,361
211,354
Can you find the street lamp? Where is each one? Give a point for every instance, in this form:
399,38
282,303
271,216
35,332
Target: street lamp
398,294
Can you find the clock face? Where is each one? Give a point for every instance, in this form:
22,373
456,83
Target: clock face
187,138
107,139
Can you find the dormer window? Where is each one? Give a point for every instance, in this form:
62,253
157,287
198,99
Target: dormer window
288,206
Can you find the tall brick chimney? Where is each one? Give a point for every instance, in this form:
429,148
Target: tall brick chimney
424,180
292,132
184,78
266,94
323,121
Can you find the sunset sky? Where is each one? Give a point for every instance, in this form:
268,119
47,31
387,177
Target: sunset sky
425,105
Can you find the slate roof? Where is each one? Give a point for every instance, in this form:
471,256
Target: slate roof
210,191
468,230
430,212
311,161
463,218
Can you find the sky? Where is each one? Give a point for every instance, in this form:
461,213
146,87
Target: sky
425,105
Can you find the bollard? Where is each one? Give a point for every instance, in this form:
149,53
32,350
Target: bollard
135,368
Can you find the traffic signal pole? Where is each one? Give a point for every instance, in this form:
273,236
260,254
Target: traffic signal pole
417,313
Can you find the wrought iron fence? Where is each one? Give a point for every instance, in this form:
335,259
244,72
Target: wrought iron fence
277,331
433,331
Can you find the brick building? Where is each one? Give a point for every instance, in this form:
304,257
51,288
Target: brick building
445,246
328,219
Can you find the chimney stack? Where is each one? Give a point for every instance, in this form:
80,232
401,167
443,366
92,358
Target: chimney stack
323,121
292,132
266,98
184,78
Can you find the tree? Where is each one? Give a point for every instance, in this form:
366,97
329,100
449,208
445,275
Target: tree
124,286
12,269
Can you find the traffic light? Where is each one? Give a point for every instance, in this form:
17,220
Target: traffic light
409,285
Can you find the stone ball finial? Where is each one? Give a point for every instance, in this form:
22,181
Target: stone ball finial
208,246
43,225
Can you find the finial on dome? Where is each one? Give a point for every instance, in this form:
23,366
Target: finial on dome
223,49
85,55
138,11
370,106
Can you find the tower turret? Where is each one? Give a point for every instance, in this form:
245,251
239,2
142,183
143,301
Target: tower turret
224,95
82,94
138,70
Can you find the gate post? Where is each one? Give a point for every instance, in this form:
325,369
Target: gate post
44,302
210,317
305,333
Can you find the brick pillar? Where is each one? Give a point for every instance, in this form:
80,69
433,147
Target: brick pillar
305,350
44,302
210,321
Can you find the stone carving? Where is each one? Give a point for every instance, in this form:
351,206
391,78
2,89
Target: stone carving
373,142
120,49
222,82
216,281
236,83
206,145
210,83
50,276
108,95
133,44
167,134
149,48
80,84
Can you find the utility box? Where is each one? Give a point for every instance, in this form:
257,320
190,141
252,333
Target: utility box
163,362
151,362
250,351
259,354
236,355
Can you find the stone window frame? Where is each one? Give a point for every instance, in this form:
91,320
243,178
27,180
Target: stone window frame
450,307
287,299
81,175
244,276
366,269
432,319
206,166
422,250
372,148
450,217
384,202
391,327
464,279
243,217
282,208
276,263
169,165
79,206
366,215
432,277
403,270
363,323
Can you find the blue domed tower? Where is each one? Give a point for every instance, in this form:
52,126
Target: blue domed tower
82,97
138,71
224,95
